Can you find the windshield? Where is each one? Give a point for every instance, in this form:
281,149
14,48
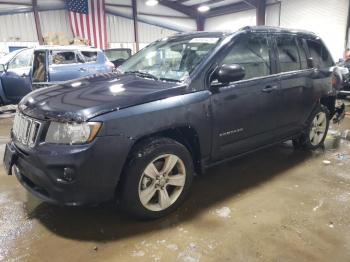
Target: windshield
170,59
6,58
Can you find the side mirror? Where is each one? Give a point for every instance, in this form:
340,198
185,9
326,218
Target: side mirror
230,73
310,62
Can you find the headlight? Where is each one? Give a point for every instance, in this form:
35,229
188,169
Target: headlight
72,133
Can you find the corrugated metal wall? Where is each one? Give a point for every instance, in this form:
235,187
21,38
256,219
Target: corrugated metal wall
326,18
120,32
18,28
56,22
231,22
149,33
119,29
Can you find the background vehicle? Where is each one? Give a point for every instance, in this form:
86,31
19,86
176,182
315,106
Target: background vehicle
118,55
27,69
15,81
54,64
344,75
176,108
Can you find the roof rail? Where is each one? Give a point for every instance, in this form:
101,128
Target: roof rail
245,28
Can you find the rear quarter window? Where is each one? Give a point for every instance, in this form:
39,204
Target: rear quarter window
89,56
319,54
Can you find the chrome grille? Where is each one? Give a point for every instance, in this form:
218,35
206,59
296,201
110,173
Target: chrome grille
26,130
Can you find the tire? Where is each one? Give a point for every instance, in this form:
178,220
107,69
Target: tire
316,131
148,193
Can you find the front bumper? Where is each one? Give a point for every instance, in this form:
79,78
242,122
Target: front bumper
93,170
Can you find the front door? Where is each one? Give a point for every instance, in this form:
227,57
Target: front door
16,81
245,112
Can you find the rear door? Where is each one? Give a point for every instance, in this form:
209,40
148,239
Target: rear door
66,65
295,87
94,62
246,112
16,80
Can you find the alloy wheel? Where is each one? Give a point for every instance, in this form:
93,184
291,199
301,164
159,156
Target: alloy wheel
162,182
318,128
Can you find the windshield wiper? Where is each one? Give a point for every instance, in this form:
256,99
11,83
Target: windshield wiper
169,79
142,74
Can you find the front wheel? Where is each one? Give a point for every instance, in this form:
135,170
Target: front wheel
156,179
317,127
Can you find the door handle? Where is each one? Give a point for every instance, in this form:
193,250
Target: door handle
269,88
82,69
24,75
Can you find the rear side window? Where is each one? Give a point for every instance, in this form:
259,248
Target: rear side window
252,53
63,57
288,53
319,54
89,56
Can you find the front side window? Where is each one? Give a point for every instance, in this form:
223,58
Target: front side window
319,54
173,59
252,53
63,57
288,54
21,60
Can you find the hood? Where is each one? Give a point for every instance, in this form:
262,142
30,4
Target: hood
82,99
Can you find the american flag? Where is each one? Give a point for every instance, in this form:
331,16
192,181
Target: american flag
87,20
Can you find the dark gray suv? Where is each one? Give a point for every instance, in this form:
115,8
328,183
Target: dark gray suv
177,107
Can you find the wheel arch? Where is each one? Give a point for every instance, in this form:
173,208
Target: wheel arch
184,134
329,102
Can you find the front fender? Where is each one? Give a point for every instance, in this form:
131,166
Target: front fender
138,121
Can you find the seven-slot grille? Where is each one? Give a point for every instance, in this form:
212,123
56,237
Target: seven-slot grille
26,130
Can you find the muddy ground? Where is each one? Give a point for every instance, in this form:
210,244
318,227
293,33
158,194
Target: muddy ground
278,204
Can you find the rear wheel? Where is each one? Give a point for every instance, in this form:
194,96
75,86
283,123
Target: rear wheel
314,135
157,178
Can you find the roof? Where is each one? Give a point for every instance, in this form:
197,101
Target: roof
275,29
66,47
269,29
